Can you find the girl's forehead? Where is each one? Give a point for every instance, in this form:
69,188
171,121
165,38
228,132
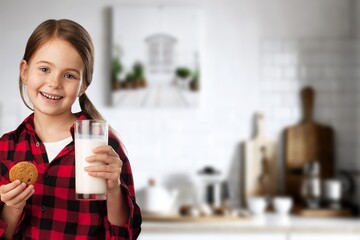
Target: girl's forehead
59,52
56,44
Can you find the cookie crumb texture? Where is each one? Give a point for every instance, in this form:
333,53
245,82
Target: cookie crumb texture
24,171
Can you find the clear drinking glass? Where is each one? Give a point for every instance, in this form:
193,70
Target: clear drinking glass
89,134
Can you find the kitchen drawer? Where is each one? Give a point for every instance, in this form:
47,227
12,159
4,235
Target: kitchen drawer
213,236
321,236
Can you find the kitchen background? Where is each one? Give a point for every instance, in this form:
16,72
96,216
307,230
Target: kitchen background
257,56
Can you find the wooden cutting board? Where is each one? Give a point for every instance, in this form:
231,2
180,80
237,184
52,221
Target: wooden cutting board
305,142
259,165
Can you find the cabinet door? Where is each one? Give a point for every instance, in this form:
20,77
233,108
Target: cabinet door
212,236
320,236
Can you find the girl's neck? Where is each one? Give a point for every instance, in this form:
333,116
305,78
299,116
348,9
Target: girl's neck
53,128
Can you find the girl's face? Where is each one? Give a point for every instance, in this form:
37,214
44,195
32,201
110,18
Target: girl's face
53,77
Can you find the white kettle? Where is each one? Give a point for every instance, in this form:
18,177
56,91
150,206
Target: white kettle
157,199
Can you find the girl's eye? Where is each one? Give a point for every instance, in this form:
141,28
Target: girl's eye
69,76
43,69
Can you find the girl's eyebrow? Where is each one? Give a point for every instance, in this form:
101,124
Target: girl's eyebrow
44,62
68,69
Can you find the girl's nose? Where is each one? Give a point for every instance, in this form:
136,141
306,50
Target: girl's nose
54,81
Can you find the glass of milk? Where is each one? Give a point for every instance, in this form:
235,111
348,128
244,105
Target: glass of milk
89,134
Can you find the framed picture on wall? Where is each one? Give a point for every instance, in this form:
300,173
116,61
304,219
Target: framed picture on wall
156,57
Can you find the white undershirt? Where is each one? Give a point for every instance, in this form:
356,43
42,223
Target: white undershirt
54,148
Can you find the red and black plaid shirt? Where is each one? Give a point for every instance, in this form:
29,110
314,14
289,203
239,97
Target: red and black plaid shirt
53,212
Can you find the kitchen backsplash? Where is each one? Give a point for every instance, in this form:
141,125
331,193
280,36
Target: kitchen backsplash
184,142
331,67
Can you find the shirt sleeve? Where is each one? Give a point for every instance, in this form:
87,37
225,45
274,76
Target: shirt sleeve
5,165
132,229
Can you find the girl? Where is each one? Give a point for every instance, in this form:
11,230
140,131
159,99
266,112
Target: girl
57,69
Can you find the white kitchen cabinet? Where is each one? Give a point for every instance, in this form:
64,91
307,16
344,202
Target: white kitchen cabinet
270,227
213,236
322,236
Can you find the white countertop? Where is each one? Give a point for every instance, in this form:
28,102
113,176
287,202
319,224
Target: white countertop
266,223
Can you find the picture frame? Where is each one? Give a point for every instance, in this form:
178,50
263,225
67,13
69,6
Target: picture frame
156,57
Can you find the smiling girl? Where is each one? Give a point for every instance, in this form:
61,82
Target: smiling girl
56,70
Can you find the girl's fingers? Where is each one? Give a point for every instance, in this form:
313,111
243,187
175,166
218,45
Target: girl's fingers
104,168
110,170
28,193
105,150
21,202
105,175
10,186
20,198
13,192
105,159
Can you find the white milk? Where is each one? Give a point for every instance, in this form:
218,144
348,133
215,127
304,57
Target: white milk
85,184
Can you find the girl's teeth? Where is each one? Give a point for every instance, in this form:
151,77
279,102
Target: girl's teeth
50,97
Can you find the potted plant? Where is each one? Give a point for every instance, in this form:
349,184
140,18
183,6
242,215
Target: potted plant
183,73
138,75
129,79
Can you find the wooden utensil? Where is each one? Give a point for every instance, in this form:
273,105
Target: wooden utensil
305,142
259,164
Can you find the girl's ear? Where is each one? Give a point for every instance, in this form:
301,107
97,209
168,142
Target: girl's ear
23,71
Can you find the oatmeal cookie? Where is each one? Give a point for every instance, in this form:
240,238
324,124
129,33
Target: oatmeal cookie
24,171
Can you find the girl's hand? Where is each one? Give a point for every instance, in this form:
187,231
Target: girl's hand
15,194
111,168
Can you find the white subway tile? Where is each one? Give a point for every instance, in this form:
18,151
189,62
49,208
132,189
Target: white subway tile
290,72
314,45
271,46
291,46
282,113
271,100
271,72
286,59
311,72
333,45
290,99
267,60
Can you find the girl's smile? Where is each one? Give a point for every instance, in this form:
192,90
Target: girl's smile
51,97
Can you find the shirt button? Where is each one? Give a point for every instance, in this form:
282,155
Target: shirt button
43,208
37,144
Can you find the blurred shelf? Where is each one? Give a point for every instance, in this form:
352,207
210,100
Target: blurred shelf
179,218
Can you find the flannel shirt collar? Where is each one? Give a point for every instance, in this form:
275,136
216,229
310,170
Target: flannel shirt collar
29,125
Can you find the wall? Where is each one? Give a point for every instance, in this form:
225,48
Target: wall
172,145
330,66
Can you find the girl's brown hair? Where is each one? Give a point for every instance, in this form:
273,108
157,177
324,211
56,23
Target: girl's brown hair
80,39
